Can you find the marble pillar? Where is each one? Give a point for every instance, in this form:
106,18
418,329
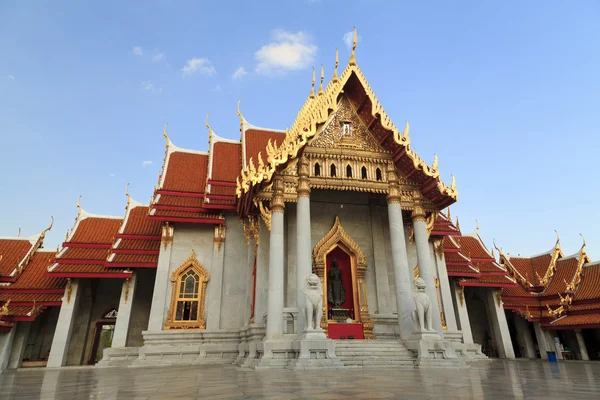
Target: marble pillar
215,285
445,292
19,344
462,313
542,341
64,325
124,312
162,281
524,338
426,265
303,240
6,344
276,262
499,325
582,346
402,273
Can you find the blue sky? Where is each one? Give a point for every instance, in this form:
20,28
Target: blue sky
506,93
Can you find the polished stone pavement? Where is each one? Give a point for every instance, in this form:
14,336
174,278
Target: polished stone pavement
495,379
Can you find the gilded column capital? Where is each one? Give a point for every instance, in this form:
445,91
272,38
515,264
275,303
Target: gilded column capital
303,189
394,188
277,203
418,213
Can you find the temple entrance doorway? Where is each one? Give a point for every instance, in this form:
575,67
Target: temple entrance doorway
103,336
341,265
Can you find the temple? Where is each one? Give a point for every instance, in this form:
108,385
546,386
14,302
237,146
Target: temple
218,267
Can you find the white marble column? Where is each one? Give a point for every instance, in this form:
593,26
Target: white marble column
124,312
215,285
6,344
303,240
462,312
582,346
499,324
162,281
524,338
19,344
64,325
426,264
276,259
382,281
402,273
262,276
542,341
445,292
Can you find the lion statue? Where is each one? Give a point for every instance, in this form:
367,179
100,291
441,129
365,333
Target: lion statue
313,291
422,314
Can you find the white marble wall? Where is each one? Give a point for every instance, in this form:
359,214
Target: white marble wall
140,312
40,336
235,275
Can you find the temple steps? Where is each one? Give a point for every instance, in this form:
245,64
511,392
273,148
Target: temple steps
374,354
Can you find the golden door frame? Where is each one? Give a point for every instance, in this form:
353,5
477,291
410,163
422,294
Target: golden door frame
337,237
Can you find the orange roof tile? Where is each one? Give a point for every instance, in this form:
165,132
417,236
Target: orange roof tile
256,141
581,319
137,223
33,276
38,298
472,247
590,284
185,172
226,160
96,229
565,270
13,251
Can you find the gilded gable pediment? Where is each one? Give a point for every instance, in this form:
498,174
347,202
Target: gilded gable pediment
345,130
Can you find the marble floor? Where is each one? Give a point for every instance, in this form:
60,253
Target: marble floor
491,379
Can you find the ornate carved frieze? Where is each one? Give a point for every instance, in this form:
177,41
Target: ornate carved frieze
220,231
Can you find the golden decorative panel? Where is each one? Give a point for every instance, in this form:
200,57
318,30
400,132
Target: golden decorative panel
188,289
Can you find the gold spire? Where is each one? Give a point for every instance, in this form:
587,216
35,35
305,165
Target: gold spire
19,234
67,236
453,184
79,205
322,78
476,226
210,131
45,230
127,194
493,255
165,134
449,217
457,223
312,88
583,245
352,56
337,61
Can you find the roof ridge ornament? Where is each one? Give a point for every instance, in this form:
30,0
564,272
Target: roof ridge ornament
321,92
45,230
210,131
79,208
434,167
337,61
19,233
239,114
127,193
312,88
352,56
165,134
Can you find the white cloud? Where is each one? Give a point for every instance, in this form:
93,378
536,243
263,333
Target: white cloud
158,57
217,88
111,174
239,73
349,39
287,51
11,77
137,51
198,65
146,163
149,86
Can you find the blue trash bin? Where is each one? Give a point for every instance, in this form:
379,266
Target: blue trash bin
551,356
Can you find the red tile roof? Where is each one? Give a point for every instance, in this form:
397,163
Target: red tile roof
256,141
13,251
33,276
185,172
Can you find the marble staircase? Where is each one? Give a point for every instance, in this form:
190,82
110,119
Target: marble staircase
374,354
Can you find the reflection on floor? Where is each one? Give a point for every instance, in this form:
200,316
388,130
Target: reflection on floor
489,379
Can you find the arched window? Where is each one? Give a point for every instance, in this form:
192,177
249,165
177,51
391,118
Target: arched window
378,174
363,172
332,171
348,171
317,169
187,296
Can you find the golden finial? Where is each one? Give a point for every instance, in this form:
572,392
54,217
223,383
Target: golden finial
449,217
476,226
67,236
19,234
210,131
493,255
239,113
165,134
453,184
127,194
79,205
352,56
337,61
322,78
312,88
57,251
457,223
434,167
583,245
47,229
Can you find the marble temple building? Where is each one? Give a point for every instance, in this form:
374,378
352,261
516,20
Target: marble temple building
214,269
